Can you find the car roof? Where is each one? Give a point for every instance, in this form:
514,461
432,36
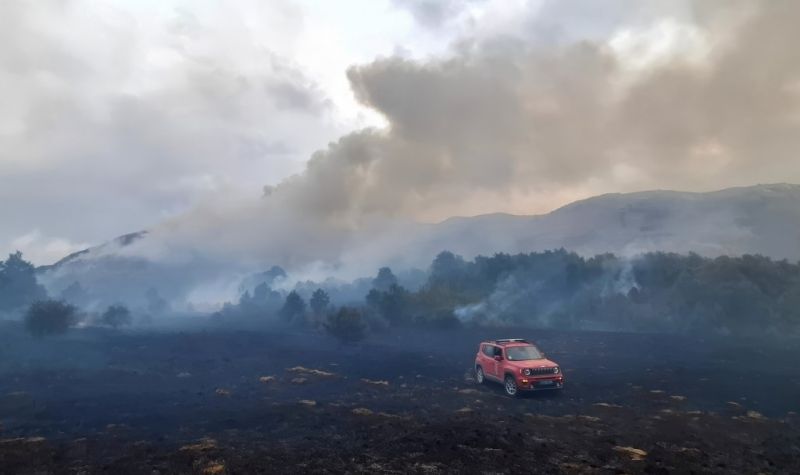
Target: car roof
506,342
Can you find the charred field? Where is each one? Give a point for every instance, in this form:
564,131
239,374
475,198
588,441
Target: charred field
212,401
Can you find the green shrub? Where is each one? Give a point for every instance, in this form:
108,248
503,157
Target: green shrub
49,317
346,325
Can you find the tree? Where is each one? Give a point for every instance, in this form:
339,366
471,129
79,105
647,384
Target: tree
263,294
384,280
18,286
270,278
294,308
394,305
273,274
319,301
116,316
446,266
263,301
49,317
790,307
346,325
245,300
75,294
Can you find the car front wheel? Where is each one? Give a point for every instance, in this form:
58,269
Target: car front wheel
480,378
511,386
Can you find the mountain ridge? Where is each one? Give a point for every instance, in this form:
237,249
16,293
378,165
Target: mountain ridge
633,194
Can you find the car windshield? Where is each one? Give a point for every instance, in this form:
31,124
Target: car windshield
522,353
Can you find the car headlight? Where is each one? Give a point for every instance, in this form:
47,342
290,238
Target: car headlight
526,371
556,370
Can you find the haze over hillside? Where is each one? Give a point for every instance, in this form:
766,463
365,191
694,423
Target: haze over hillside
763,219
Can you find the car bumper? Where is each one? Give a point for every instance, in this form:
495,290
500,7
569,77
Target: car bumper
540,384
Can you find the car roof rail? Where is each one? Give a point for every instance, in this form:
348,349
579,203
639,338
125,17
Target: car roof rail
511,340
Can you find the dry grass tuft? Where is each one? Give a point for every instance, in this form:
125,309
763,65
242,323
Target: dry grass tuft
311,371
632,452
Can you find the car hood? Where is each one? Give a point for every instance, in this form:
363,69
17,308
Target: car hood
532,364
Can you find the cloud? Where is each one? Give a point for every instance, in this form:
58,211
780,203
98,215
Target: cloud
434,13
113,118
289,96
40,248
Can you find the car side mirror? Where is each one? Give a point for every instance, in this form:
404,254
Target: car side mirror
498,358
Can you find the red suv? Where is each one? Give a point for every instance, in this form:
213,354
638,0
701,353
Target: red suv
518,364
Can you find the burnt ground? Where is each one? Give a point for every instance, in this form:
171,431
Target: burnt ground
224,401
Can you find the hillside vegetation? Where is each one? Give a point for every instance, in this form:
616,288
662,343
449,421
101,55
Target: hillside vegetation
654,292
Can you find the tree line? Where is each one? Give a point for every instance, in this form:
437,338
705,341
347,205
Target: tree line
20,292
653,292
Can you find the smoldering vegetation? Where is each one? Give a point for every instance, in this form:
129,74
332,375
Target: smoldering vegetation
653,292
656,292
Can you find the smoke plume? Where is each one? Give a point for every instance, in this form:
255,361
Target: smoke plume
504,124
511,123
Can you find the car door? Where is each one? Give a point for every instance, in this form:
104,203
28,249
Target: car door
495,367
487,360
482,359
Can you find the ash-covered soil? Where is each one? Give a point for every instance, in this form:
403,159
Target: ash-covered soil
280,402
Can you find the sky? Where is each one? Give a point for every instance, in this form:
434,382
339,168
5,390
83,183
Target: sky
274,118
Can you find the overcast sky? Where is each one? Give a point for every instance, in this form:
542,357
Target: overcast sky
121,115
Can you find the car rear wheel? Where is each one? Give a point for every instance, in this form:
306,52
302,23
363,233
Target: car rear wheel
480,378
510,386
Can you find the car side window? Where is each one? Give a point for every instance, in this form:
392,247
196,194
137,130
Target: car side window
498,351
488,350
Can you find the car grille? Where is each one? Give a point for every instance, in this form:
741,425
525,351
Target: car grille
540,371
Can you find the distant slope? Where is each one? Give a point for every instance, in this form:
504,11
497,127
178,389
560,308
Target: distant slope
121,241
763,219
